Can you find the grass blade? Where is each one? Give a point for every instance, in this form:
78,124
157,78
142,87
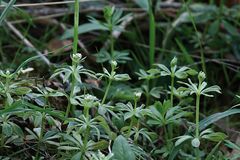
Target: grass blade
152,32
217,116
6,10
199,40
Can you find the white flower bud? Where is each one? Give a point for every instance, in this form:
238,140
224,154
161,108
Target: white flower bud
138,94
174,62
7,72
113,63
195,142
201,76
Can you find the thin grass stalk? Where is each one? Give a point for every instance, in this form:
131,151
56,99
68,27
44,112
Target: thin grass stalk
76,23
75,48
6,10
152,37
199,40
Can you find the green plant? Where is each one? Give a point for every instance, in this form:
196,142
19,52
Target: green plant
103,114
73,73
199,89
181,73
112,76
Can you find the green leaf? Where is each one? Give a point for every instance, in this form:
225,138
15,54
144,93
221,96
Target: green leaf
6,10
156,92
143,4
68,148
122,150
215,149
230,28
214,27
22,90
215,137
77,156
84,28
217,116
182,139
7,129
121,77
101,145
232,145
174,151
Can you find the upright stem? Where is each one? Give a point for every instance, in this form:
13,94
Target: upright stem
87,131
106,92
6,90
147,93
197,115
76,23
171,99
112,42
172,85
152,33
69,107
75,48
197,124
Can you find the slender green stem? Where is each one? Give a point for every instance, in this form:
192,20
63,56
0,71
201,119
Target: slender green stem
197,123
75,48
106,92
199,40
112,42
76,23
172,85
152,37
70,106
171,99
197,115
130,127
87,131
147,93
165,133
86,111
6,91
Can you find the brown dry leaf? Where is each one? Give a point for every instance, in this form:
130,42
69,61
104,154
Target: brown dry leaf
56,45
93,82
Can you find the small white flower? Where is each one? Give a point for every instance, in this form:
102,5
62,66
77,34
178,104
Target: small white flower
138,94
77,56
90,97
114,63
